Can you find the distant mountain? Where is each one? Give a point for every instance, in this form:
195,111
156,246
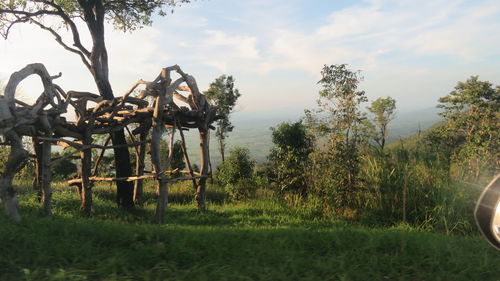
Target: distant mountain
409,123
252,130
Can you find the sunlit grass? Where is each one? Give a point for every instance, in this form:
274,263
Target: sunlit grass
261,239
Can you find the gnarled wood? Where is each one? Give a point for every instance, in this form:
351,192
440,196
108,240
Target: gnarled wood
43,122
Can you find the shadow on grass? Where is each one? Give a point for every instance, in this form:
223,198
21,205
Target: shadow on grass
253,213
174,196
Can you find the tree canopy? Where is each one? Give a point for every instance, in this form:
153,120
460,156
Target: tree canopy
472,114
383,110
124,15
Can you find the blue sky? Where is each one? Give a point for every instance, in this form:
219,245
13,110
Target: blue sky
414,51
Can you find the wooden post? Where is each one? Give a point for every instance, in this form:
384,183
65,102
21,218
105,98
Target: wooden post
37,179
139,169
46,174
155,160
155,157
186,157
170,148
15,162
200,190
86,158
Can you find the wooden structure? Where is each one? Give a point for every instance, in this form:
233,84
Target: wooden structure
173,104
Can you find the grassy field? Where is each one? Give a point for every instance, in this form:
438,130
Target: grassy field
253,240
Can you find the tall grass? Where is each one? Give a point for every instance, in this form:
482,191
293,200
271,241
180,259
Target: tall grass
265,238
413,187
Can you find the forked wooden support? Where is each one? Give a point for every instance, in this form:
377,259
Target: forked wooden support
43,122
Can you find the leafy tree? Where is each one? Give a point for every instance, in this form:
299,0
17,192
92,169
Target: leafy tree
236,174
341,121
383,110
472,114
65,14
289,156
223,94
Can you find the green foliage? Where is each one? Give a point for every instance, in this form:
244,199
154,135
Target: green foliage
472,113
244,188
106,166
340,99
195,168
289,157
339,119
236,174
177,155
223,95
124,15
335,174
4,155
64,169
28,168
412,183
383,110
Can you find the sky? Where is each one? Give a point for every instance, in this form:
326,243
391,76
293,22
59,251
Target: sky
413,51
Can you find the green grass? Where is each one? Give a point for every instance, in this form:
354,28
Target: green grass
254,240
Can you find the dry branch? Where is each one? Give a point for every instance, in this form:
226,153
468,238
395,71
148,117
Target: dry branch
44,123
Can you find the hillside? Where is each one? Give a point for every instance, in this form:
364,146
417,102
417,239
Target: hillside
254,240
253,131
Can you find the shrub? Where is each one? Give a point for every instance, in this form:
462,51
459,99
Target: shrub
244,188
236,174
289,157
237,166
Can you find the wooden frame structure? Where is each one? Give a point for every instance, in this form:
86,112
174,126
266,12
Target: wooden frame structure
43,122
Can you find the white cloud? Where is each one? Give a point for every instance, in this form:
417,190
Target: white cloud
238,46
266,38
467,36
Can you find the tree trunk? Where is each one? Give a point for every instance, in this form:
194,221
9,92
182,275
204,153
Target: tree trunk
94,14
125,189
222,148
383,134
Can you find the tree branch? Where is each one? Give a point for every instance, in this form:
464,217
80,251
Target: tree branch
26,15
64,45
74,30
